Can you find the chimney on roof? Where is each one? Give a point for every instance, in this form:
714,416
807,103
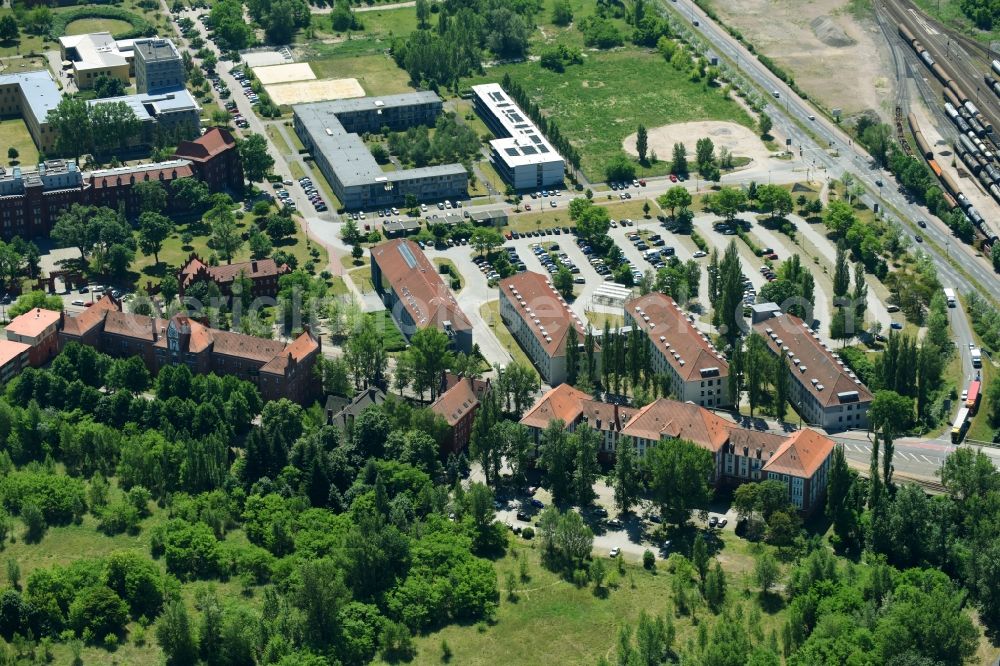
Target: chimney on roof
617,420
152,324
253,266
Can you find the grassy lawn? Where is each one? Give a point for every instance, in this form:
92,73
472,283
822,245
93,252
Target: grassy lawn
394,340
338,287
174,253
278,138
296,169
535,219
14,133
362,279
88,25
441,261
597,319
389,22
490,312
377,73
599,103
551,621
296,141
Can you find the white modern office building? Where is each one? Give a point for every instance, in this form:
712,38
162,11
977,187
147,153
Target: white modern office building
521,154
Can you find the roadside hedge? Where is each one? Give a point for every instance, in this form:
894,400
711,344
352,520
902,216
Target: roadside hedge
140,26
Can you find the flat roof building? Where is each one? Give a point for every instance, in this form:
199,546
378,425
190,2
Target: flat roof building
698,371
158,65
540,319
823,390
31,95
415,294
13,359
520,153
97,54
330,131
172,113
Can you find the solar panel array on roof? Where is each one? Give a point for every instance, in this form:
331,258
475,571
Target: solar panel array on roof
512,152
529,150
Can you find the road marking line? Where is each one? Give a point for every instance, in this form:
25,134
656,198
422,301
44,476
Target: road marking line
927,459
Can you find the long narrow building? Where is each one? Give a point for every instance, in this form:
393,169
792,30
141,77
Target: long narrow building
540,320
824,391
415,294
698,371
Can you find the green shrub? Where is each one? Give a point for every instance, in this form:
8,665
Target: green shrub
528,533
648,559
140,26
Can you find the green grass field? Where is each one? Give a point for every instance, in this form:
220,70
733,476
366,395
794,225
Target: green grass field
490,312
394,340
14,134
84,26
551,621
175,253
377,74
599,103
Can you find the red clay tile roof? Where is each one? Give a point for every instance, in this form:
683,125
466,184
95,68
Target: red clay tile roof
258,268
10,350
811,359
456,402
681,420
534,297
33,322
300,349
154,174
79,324
671,332
801,454
417,284
563,402
214,141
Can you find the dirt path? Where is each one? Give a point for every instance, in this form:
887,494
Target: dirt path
737,139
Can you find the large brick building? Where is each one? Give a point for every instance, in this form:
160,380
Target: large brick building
263,273
278,369
31,200
214,159
457,405
739,455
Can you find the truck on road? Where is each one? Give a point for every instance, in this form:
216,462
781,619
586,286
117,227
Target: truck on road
949,295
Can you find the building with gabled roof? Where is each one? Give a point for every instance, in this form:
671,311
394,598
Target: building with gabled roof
278,369
417,297
39,329
13,359
214,159
823,389
457,405
698,372
263,273
540,319
739,455
802,462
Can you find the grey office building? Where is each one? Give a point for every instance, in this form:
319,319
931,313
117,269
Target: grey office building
158,65
329,130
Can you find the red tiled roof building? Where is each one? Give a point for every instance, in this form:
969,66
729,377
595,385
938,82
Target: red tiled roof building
279,369
214,159
264,274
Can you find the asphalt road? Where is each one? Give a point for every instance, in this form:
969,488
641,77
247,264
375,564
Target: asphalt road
836,152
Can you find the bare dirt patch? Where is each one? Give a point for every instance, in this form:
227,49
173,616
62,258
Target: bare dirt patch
841,61
302,92
296,71
739,140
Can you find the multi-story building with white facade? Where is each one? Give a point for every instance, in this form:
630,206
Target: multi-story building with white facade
823,390
540,320
698,372
521,154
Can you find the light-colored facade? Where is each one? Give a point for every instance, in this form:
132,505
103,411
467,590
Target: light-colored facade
823,390
39,329
698,372
158,65
31,96
521,154
540,319
174,114
330,131
97,54
13,359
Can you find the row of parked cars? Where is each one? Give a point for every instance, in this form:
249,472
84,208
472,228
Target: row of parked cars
538,233
238,118
312,194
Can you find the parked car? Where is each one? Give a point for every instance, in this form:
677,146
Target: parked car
615,524
521,515
615,552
